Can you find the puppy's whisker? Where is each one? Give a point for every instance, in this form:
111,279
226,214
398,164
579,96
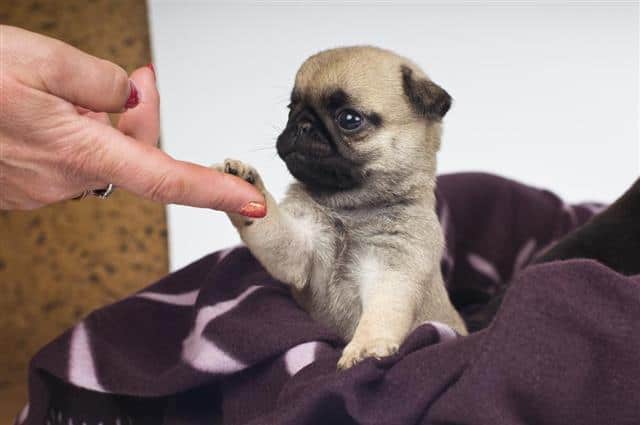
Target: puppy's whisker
261,149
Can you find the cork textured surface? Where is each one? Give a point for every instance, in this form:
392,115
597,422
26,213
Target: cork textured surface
60,262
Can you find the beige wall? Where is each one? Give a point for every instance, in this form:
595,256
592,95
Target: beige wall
60,262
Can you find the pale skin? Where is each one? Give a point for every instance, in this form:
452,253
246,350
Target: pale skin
56,140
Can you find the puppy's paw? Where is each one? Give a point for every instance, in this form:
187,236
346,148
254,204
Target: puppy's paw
247,173
355,351
244,171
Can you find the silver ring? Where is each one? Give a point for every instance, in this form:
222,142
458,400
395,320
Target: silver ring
103,193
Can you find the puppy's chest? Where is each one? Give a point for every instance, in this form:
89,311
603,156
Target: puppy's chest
333,295
332,245
351,245
341,248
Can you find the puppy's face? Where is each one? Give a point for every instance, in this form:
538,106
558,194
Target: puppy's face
357,114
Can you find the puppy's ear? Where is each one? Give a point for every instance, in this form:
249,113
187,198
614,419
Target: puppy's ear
426,97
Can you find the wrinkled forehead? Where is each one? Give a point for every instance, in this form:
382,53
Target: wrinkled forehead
370,80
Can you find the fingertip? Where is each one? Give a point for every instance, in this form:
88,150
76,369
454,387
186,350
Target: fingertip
145,82
143,122
254,210
235,195
134,96
153,69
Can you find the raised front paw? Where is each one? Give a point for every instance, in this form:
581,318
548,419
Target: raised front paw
356,351
247,173
242,170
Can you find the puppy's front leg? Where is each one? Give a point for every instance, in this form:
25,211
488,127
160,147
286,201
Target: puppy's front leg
389,310
276,239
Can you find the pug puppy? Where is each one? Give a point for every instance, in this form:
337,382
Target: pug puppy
357,238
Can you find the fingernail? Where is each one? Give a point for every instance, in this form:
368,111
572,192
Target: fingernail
134,96
254,210
152,68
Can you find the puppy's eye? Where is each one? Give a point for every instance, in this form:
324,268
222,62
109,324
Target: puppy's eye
349,120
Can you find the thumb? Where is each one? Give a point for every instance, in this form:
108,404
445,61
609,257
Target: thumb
150,173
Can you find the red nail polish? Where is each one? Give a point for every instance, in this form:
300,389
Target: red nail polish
134,97
152,68
254,210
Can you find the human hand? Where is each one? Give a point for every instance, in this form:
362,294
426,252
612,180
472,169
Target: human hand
56,140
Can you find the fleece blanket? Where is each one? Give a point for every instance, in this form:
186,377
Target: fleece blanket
220,341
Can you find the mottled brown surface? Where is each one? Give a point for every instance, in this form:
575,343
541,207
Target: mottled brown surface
60,262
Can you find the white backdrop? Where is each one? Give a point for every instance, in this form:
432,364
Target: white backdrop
545,94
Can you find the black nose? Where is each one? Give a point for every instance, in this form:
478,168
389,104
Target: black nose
304,127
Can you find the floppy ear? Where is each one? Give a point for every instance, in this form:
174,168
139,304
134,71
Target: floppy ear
426,97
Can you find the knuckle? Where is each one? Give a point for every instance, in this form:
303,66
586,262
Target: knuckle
167,189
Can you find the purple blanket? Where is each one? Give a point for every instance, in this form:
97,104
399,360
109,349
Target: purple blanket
222,342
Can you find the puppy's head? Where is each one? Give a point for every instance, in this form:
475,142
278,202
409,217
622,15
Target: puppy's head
359,116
